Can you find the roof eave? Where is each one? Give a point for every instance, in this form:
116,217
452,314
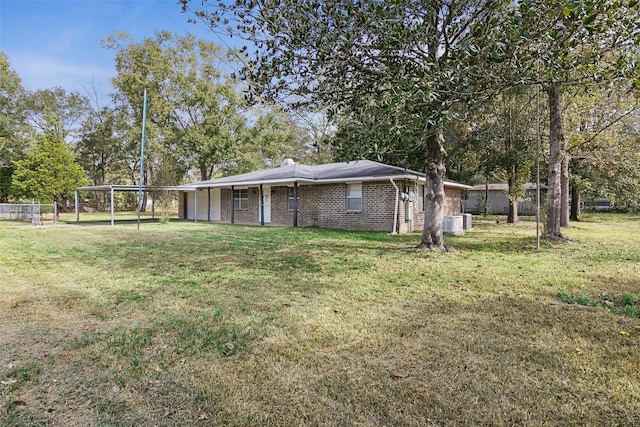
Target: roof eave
291,181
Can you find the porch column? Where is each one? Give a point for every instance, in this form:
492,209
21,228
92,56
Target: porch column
195,205
232,209
261,206
295,204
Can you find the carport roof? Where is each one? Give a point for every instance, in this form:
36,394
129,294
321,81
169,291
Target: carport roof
116,187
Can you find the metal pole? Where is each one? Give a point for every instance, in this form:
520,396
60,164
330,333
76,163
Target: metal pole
75,201
538,154
209,204
112,208
144,119
195,205
55,212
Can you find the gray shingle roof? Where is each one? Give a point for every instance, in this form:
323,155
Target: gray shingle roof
365,170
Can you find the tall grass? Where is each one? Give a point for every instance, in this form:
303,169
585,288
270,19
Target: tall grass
185,323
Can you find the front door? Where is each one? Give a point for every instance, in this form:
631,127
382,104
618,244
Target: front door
266,200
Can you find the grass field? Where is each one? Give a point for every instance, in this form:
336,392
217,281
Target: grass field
209,324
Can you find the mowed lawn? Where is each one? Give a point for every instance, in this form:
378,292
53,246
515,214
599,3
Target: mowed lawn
209,324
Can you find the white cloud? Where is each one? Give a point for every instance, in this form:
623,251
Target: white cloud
41,71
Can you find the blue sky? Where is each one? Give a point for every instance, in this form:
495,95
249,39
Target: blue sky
57,42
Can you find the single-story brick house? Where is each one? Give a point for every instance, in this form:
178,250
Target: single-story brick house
358,195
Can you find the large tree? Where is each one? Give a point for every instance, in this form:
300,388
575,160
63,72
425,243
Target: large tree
193,108
413,60
196,116
49,173
13,131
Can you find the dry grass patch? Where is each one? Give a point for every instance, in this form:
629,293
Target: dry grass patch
186,323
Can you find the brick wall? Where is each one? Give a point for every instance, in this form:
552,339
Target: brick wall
326,206
452,206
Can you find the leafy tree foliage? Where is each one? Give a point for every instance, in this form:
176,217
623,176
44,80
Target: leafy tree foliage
55,110
13,133
100,150
49,173
602,134
497,141
196,119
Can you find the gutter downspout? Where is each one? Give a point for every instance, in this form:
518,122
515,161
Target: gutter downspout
261,205
295,203
395,209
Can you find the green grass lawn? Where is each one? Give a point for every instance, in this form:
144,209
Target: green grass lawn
211,324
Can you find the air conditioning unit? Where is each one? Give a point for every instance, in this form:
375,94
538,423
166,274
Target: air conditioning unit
466,221
452,224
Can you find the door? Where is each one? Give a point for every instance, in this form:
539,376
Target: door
215,204
266,200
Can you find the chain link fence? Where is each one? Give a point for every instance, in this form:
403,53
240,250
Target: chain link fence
34,213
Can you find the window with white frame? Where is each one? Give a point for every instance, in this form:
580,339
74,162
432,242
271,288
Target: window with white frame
354,197
240,199
291,203
419,206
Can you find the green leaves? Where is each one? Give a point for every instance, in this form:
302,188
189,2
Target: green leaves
49,173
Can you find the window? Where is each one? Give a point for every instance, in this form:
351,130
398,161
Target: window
240,199
419,206
354,197
290,203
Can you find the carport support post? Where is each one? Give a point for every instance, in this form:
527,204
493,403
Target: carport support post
195,206
75,201
261,206
112,207
232,207
295,204
209,204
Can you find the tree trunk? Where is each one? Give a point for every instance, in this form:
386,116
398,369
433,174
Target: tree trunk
434,192
564,185
556,142
575,204
204,173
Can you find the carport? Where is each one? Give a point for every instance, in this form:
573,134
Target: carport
112,189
